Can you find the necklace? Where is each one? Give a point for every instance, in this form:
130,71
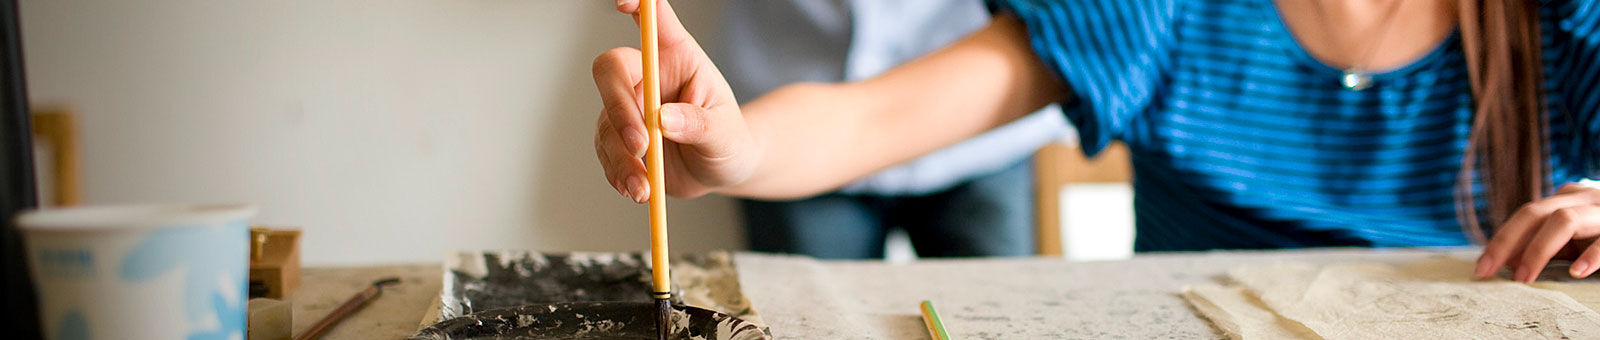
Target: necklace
1356,77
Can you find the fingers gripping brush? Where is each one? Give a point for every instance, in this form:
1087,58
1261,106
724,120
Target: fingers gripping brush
661,282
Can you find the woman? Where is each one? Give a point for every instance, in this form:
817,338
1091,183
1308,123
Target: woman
1252,123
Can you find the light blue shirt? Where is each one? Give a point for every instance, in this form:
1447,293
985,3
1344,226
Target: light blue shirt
770,43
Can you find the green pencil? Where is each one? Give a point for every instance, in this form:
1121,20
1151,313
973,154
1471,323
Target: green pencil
931,318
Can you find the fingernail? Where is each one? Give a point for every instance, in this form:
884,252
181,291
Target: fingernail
636,141
1579,269
1523,275
637,187
1483,271
671,119
624,2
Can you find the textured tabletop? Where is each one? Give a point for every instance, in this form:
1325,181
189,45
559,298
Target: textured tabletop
803,298
1037,298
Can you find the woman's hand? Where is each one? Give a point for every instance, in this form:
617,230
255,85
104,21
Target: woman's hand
804,139
1564,225
706,141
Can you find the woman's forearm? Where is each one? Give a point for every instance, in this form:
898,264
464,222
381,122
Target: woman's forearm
812,138
816,137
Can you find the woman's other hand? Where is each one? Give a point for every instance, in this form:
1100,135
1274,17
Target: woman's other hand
1564,225
706,142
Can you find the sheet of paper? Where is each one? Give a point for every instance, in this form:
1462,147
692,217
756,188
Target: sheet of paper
1587,294
1241,315
1431,299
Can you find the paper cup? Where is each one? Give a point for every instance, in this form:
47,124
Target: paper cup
140,271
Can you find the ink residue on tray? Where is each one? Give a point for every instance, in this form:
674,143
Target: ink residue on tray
591,320
477,284
510,279
475,281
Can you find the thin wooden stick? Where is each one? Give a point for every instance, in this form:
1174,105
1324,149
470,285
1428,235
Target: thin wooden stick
653,163
654,169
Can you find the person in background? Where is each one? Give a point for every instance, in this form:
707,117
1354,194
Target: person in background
1249,123
970,199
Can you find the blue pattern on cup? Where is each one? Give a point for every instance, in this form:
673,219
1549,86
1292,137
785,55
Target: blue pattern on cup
209,253
73,326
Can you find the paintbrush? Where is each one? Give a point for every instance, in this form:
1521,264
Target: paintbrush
349,307
661,281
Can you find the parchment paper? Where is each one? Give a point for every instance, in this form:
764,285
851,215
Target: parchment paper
1430,299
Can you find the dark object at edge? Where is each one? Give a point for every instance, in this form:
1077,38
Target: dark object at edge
20,313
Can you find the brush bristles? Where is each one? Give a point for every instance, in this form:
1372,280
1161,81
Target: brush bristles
663,317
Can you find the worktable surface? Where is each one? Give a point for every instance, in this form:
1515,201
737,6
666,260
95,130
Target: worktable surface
803,298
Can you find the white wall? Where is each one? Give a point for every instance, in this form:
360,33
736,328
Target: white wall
390,130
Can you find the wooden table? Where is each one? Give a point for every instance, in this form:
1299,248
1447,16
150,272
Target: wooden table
802,298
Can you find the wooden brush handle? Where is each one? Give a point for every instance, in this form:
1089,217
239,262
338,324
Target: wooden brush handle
349,307
654,166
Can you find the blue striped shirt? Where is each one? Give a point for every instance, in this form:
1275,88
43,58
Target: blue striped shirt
1241,139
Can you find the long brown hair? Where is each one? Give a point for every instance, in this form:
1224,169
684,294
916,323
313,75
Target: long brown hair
1506,148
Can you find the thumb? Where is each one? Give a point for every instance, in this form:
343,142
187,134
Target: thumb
691,125
669,29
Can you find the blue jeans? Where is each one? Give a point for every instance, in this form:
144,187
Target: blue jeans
987,216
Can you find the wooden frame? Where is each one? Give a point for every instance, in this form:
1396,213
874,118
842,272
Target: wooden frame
59,130
1057,165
